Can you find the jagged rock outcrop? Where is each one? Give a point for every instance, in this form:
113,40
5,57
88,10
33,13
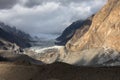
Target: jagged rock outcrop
5,45
104,31
79,28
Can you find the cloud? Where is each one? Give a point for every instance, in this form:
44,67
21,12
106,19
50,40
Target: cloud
48,16
7,3
32,3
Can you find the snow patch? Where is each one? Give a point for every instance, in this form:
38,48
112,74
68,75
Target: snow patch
40,50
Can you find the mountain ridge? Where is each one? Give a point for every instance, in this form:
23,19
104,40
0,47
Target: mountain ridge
104,31
13,35
79,27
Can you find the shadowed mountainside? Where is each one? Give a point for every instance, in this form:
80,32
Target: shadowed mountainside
13,35
79,28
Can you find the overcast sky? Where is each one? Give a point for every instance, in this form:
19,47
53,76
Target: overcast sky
46,16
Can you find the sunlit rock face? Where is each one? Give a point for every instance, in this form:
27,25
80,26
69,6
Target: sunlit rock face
104,31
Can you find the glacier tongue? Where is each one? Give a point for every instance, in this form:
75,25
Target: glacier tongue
92,57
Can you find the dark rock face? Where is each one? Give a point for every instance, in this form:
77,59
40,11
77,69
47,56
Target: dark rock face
68,33
82,29
13,35
78,26
13,39
14,31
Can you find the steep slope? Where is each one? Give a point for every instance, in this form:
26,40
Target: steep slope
79,28
68,33
104,31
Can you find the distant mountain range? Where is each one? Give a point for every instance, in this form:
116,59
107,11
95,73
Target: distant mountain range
13,35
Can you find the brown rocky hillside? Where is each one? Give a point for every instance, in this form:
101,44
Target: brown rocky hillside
104,31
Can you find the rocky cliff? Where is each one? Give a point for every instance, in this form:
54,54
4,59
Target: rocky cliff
104,31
